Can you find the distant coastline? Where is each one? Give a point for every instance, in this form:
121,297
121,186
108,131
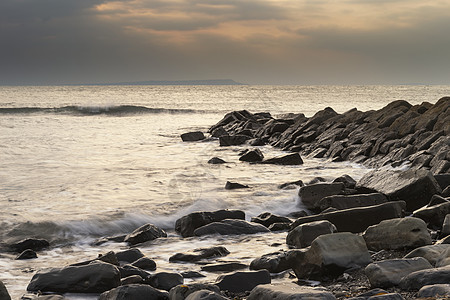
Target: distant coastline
175,82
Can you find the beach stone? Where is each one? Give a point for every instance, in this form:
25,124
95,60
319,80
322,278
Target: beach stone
292,184
310,195
331,254
446,226
145,233
230,227
443,180
435,291
351,201
180,292
254,155
303,235
443,259
133,279
93,278
4,295
398,233
370,293
129,270
268,219
280,226
41,297
276,262
223,267
446,192
416,280
388,273
290,159
233,140
359,218
109,258
288,291
235,185
216,161
242,281
347,180
432,253
192,136
199,254
192,274
33,244
129,255
187,224
27,254
165,280
415,187
205,295
145,263
434,215
388,296
135,292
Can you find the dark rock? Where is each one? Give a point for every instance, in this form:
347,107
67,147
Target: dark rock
254,155
370,293
415,187
280,227
435,291
180,292
4,295
310,195
234,185
446,226
276,262
230,227
223,267
42,297
129,270
351,201
233,140
117,239
92,278
133,279
431,253
130,255
290,159
33,244
443,180
218,132
164,280
187,224
288,290
27,254
192,136
145,263
357,219
288,184
268,219
433,215
388,296
135,292
416,280
347,180
199,254
145,233
216,161
298,214
192,274
303,235
109,258
446,192
239,282
205,295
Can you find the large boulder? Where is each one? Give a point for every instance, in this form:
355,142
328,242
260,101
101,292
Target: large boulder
135,292
398,233
288,291
199,254
303,235
310,195
357,219
415,187
187,224
332,254
351,201
432,253
145,233
192,136
388,273
289,159
254,155
242,281
419,279
230,227
276,262
93,278
180,292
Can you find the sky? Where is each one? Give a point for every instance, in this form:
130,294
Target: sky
251,41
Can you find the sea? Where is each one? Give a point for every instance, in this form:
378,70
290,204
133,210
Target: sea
78,163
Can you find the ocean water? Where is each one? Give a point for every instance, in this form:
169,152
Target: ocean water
81,162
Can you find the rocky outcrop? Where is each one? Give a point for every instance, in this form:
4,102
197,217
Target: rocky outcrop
286,291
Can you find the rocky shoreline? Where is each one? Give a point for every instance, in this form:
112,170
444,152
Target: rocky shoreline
385,236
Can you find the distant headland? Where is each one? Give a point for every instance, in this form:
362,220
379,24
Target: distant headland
176,82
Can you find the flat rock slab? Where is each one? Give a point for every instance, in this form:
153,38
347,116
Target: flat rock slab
351,201
135,292
288,291
241,281
230,227
419,279
310,195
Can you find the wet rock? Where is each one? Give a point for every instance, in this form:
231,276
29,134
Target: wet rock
92,278
205,295
192,136
443,180
199,254
280,226
254,155
446,226
435,291
291,184
4,295
331,255
357,219
216,161
145,233
268,219
286,291
347,180
133,279
369,294
434,215
388,296
109,258
388,273
233,140
415,187
241,281
432,253
310,195
135,292
165,280
180,292
33,244
303,235
130,255
290,159
117,239
234,186
224,267
145,263
41,297
230,227
416,280
276,262
187,224
27,254
192,274
351,201
398,233
129,270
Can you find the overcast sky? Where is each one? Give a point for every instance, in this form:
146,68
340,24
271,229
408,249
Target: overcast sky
251,41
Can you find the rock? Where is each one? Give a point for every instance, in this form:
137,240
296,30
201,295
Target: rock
288,291
192,136
42,297
388,273
433,215
33,244
165,280
224,267
443,180
135,292
117,239
133,279
446,192
446,226
216,161
398,233
130,255
230,227
145,263
93,278
347,180
280,227
145,233
276,262
241,281
254,155
388,296
351,201
331,255
369,294
431,253
234,186
233,140
199,254
415,187
416,280
435,291
4,295
129,270
268,219
180,292
303,235
290,159
291,184
357,219
187,224
205,295
192,274
27,254
310,195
